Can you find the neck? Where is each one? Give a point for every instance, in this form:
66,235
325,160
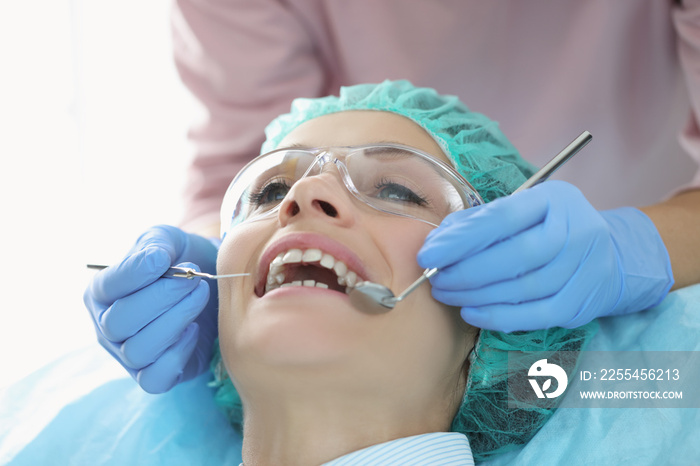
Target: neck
316,426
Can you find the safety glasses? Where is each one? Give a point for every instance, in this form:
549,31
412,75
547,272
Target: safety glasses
391,178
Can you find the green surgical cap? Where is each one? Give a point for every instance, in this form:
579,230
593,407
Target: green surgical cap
484,156
477,147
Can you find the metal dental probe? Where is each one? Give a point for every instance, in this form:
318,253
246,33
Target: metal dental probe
182,272
377,299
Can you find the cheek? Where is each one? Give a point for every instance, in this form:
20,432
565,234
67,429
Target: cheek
435,325
239,248
238,253
401,243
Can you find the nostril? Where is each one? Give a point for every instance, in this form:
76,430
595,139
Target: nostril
293,209
327,208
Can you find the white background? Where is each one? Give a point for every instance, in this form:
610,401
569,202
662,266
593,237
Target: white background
93,122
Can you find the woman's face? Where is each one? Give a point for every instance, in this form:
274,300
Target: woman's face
317,331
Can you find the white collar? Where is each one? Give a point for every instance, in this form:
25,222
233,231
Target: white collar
439,448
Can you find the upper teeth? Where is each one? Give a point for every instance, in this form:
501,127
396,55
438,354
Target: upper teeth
276,275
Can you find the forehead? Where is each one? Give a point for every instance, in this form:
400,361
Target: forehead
358,127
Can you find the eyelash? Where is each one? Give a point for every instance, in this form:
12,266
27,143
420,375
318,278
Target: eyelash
415,198
258,197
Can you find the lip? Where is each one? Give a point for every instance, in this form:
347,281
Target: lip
305,291
307,240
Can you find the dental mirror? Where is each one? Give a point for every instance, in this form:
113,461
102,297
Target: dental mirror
374,298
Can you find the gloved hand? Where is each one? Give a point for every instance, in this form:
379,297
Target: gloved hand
160,329
546,258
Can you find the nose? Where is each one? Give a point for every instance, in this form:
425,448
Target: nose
321,196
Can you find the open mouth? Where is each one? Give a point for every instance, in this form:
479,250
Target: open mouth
310,268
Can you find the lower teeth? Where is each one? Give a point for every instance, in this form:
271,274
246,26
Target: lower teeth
305,283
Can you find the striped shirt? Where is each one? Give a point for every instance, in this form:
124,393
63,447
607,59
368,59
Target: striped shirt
440,448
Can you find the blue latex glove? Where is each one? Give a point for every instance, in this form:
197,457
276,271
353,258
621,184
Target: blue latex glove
160,329
546,258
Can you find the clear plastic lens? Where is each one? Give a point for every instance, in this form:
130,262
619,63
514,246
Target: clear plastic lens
267,190
403,183
391,178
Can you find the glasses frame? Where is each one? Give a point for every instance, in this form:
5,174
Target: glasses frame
330,154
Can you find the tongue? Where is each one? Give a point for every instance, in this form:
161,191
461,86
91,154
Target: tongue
312,272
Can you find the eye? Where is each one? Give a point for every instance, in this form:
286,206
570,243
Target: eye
272,192
398,193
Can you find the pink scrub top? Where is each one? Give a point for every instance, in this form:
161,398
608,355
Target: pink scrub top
628,71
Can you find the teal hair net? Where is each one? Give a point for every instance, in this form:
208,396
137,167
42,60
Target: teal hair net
485,157
475,145
490,416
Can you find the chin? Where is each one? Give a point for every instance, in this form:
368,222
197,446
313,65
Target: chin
296,334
